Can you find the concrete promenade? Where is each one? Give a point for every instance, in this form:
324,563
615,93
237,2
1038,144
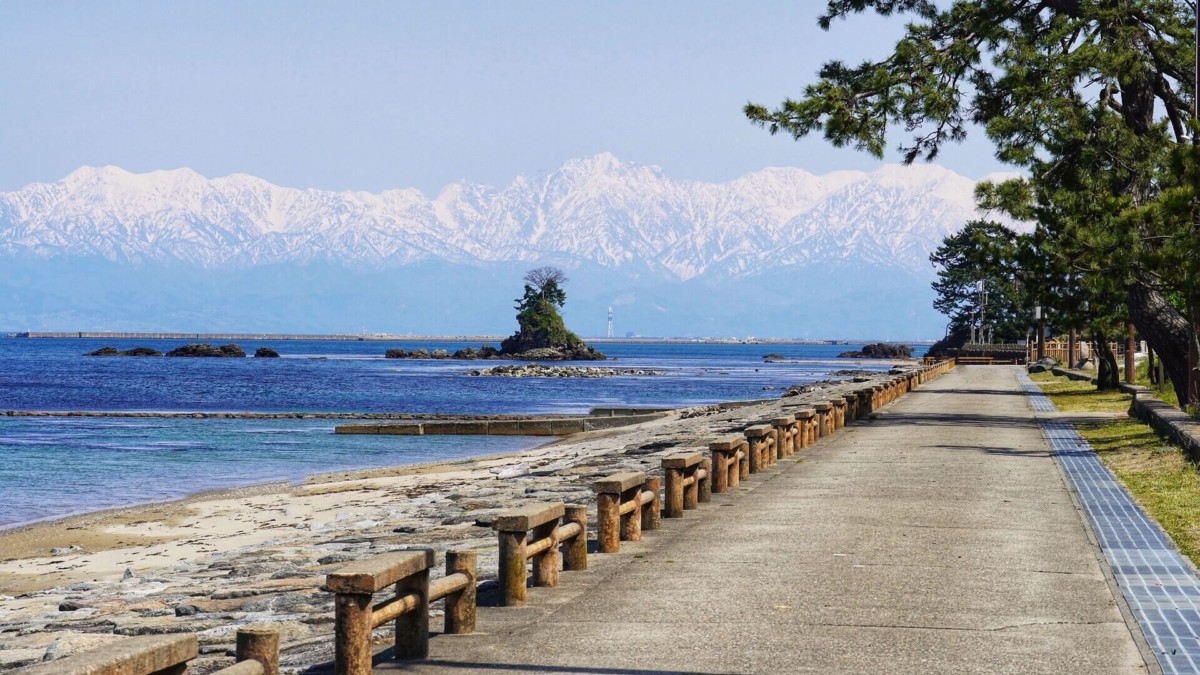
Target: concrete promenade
938,537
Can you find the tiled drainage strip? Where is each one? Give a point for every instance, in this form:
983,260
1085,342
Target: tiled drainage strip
1160,587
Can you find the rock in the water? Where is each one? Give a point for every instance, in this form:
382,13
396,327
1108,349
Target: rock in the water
141,351
577,353
396,354
439,354
880,350
104,351
136,351
265,353
205,349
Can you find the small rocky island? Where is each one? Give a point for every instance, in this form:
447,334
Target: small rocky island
201,349
541,334
880,350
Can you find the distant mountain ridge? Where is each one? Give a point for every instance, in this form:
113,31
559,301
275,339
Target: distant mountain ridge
598,210
777,252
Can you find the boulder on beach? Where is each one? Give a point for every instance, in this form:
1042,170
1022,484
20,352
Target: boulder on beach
206,350
265,353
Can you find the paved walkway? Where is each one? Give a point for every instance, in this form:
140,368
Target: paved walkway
939,537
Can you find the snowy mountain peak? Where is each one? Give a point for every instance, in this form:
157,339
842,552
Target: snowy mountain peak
597,210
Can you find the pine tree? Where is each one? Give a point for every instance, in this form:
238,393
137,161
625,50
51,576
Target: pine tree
1091,98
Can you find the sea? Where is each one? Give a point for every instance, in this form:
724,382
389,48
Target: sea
52,467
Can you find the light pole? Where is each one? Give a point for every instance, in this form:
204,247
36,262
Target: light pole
1041,332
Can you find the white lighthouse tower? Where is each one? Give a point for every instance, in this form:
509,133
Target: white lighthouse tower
610,328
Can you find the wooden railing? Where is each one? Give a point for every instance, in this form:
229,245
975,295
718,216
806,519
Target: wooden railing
620,515
688,484
257,654
407,572
534,533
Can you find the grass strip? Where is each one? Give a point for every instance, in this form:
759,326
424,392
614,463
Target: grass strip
1158,475
1079,396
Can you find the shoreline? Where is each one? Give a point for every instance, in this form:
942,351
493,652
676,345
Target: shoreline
218,559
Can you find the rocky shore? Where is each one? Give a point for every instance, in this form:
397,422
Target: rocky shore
542,370
214,562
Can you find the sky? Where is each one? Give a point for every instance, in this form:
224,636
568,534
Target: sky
379,95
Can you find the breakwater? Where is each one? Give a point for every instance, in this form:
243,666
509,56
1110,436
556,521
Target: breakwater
343,337
535,426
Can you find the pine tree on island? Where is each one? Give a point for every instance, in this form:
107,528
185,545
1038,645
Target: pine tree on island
541,333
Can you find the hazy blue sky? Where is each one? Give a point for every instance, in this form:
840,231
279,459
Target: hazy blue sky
375,95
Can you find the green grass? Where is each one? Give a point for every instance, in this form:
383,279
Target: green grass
1159,477
1166,393
1071,396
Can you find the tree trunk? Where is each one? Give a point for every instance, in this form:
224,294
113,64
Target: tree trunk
1165,330
1107,376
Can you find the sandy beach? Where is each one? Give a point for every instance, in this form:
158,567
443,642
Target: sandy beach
214,561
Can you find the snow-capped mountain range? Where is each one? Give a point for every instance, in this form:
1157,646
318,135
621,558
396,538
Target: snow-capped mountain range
778,252
597,211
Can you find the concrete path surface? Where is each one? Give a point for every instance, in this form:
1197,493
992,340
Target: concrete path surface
938,537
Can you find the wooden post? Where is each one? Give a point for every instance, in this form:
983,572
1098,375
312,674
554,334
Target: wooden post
611,525
705,494
1130,350
839,412
691,494
412,627
575,550
608,522
512,569
352,633
631,523
460,605
259,643
824,423
720,476
674,500
759,446
652,512
803,435
546,564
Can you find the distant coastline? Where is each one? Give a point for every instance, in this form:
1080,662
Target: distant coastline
390,337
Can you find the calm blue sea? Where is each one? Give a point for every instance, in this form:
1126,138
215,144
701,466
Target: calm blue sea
52,467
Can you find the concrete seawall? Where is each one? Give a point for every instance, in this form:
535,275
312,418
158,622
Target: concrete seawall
557,426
